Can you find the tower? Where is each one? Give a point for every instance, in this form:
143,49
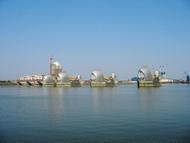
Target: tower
50,65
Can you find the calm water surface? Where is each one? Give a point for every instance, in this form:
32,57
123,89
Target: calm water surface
95,115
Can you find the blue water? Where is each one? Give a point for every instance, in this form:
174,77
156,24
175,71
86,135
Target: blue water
95,115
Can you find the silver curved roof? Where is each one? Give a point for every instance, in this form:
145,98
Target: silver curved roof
97,75
57,65
157,73
63,77
144,73
79,77
114,76
48,79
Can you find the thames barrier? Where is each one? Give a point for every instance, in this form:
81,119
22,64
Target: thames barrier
59,78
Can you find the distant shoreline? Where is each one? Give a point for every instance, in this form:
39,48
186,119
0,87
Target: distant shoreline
86,82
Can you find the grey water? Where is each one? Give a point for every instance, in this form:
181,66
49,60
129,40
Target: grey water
95,115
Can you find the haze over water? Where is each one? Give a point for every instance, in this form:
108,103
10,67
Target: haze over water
95,115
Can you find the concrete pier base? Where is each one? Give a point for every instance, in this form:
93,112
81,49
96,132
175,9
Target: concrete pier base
110,84
49,84
97,84
63,84
148,84
75,83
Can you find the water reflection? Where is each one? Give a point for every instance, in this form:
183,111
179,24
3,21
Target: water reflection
121,114
54,102
100,98
148,97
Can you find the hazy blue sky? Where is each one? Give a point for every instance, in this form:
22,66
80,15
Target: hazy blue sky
113,35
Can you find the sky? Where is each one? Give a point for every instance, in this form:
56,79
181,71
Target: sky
117,36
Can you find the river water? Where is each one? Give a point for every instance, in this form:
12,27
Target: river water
95,115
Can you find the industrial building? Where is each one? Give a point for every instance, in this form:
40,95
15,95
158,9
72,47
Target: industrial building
148,79
98,80
56,77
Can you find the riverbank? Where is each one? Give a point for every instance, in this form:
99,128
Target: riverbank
83,83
